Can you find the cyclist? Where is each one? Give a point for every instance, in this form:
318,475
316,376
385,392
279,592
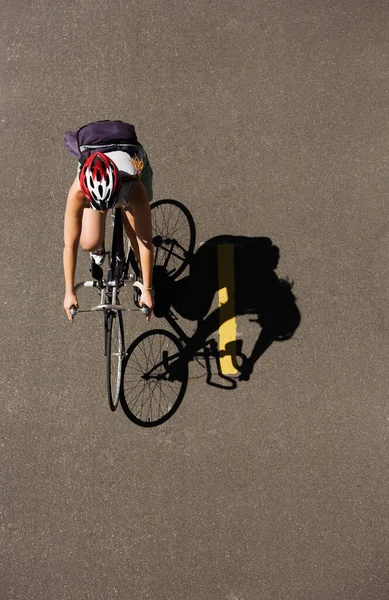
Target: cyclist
103,181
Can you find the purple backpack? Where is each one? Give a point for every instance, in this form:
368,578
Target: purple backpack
102,136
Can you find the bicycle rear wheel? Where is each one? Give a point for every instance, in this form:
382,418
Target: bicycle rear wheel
115,355
174,235
148,396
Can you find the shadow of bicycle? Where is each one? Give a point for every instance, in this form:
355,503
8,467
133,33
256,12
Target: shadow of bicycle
156,366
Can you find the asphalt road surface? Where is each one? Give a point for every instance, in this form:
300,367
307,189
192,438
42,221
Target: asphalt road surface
265,118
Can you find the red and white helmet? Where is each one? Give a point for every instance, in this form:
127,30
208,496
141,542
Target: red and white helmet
100,181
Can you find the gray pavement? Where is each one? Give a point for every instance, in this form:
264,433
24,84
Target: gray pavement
266,118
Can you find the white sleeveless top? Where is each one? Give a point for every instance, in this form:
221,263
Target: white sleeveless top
122,161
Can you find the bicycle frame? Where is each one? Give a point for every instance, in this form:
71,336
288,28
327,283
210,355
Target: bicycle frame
109,288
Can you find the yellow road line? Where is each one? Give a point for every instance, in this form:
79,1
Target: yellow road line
227,327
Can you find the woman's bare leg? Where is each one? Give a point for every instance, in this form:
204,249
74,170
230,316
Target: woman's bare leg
93,229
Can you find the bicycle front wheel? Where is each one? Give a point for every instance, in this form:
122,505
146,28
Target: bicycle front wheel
115,355
149,397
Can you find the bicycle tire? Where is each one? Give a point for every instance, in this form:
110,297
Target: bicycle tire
148,397
174,235
115,356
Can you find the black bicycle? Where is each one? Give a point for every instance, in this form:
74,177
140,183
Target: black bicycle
173,241
118,275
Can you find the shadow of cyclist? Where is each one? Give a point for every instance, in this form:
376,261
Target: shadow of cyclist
257,291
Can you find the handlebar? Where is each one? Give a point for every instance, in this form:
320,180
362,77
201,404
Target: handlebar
74,310
102,285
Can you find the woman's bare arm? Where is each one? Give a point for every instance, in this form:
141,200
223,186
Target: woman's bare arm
72,232
140,209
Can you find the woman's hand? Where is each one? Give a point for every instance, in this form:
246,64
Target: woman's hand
70,300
